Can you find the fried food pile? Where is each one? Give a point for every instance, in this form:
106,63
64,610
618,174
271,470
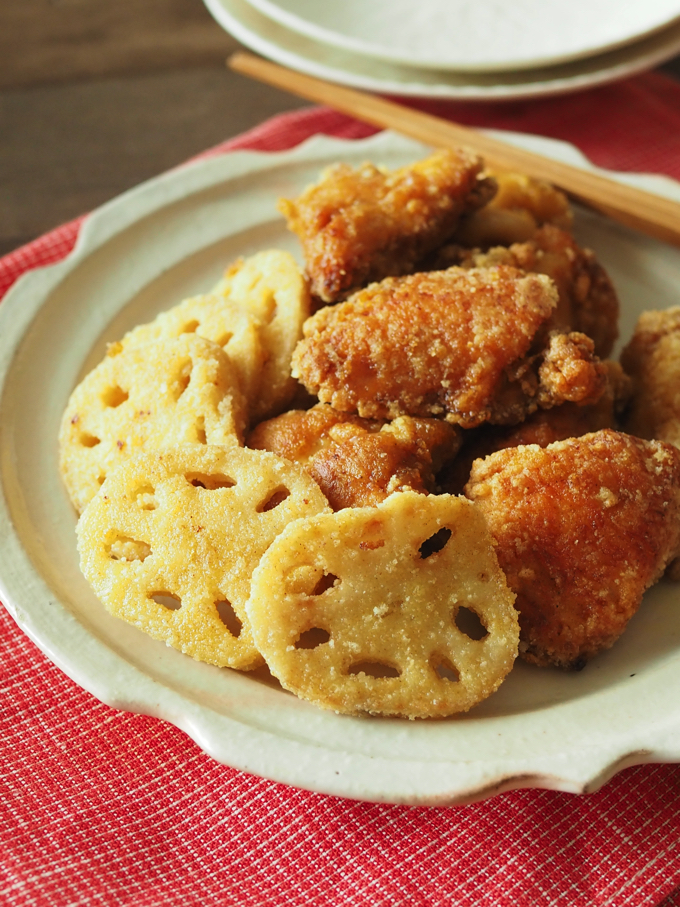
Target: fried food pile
389,474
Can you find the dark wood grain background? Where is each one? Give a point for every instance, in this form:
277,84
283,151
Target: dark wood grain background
98,95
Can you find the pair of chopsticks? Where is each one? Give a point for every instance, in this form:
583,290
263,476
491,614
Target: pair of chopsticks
651,214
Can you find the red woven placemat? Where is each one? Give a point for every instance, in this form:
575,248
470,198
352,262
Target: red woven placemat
101,807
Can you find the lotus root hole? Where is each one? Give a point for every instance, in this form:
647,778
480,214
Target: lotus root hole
209,481
269,305
374,669
327,581
470,623
88,440
278,496
167,599
181,383
229,617
114,396
123,548
310,639
201,436
435,543
145,497
445,670
191,327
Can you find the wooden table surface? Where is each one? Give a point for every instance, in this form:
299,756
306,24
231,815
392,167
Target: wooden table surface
97,96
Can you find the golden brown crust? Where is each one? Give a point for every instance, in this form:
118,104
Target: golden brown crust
587,300
360,462
358,226
569,371
461,343
545,426
582,527
652,359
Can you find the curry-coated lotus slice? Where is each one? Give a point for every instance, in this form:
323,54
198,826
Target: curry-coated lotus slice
177,391
399,609
215,318
171,541
271,287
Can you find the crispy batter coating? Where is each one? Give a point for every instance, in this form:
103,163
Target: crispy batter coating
270,287
465,344
652,359
359,462
358,226
545,426
520,206
356,612
587,299
583,527
170,542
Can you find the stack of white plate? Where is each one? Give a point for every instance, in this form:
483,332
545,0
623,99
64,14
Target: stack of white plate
463,49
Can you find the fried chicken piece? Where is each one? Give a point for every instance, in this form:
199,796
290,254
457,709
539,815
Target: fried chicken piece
587,300
652,359
520,206
545,426
469,345
360,462
583,527
358,226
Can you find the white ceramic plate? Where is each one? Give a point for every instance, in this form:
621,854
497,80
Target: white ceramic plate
296,51
143,252
469,35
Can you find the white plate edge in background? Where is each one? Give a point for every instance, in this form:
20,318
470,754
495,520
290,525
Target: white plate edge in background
484,38
274,41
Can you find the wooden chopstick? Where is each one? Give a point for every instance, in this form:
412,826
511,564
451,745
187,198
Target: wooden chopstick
651,214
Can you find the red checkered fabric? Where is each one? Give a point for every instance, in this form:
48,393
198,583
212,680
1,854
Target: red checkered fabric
100,807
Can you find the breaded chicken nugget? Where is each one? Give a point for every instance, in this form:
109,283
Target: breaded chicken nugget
583,527
520,206
587,300
465,344
652,359
359,462
357,226
545,426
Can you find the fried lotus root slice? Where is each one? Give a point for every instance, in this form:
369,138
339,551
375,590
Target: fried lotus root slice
271,287
357,226
178,391
215,318
583,527
170,543
363,610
